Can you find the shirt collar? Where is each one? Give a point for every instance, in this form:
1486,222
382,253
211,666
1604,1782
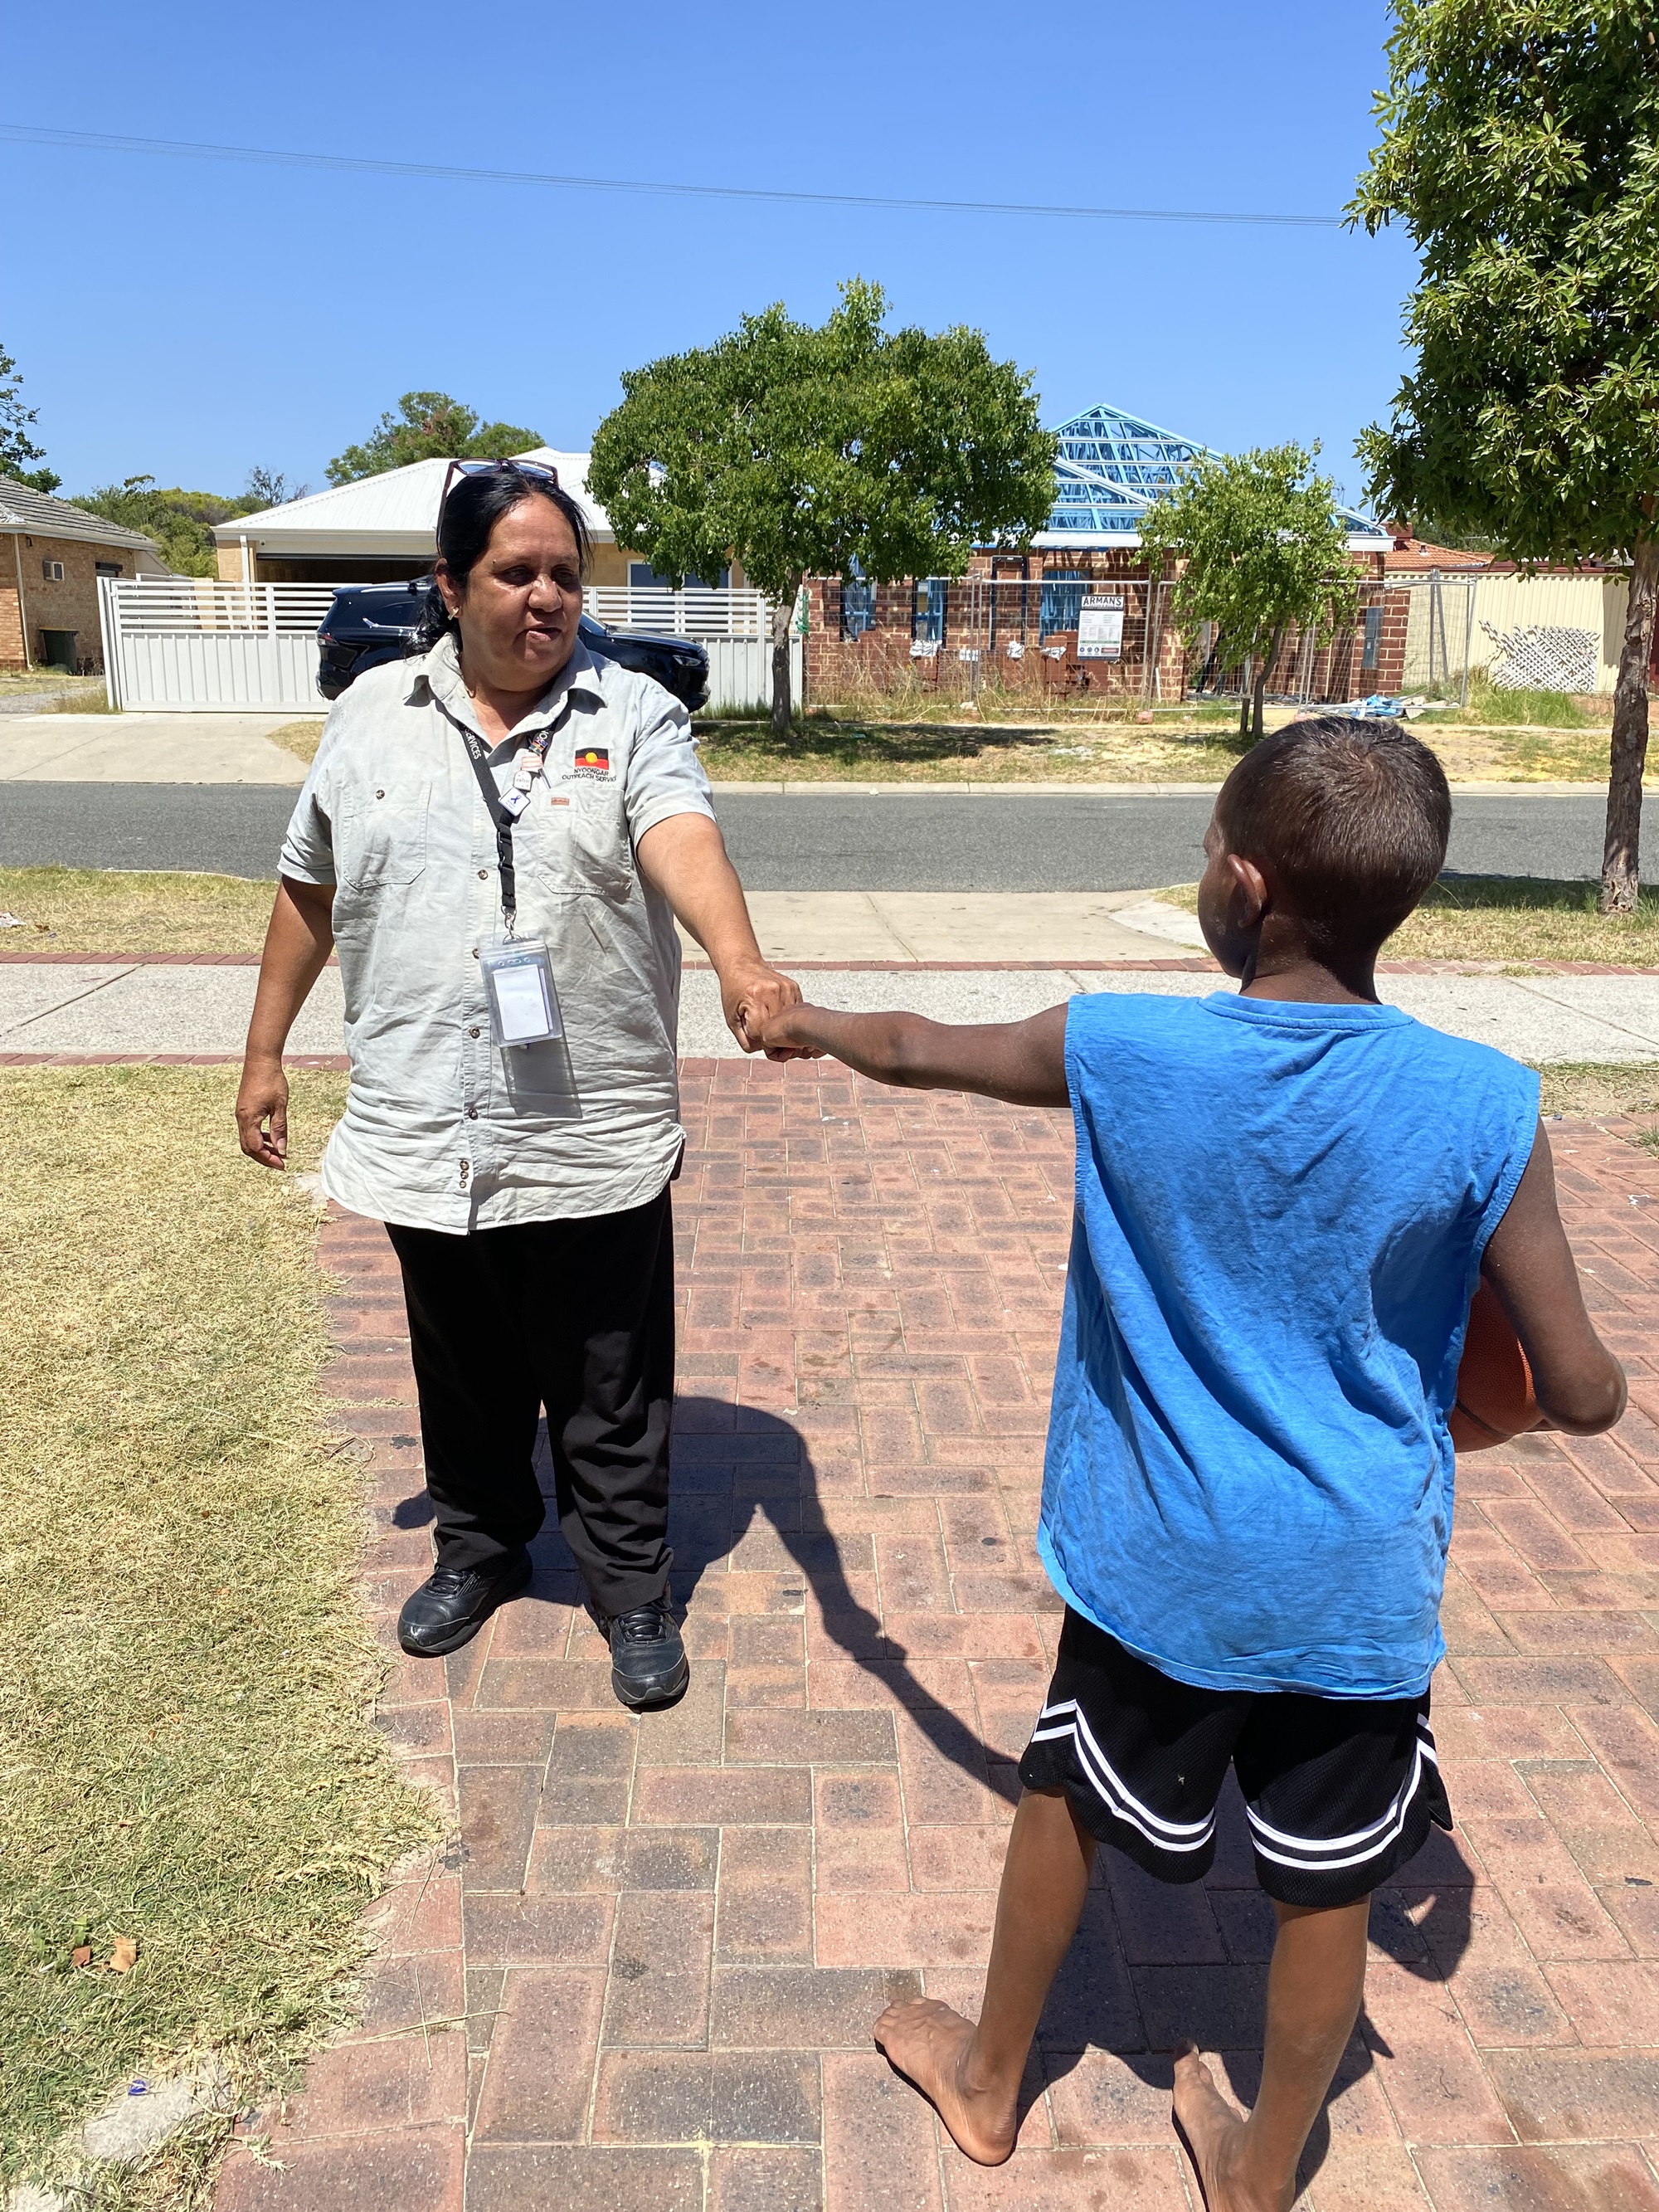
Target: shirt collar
440,669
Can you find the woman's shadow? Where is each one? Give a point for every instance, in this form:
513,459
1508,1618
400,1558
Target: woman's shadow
738,1472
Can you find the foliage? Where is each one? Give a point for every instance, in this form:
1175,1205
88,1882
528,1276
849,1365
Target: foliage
833,450
429,426
1521,150
271,488
179,522
16,446
1261,551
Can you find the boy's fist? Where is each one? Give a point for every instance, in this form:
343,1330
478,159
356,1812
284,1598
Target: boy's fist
781,1038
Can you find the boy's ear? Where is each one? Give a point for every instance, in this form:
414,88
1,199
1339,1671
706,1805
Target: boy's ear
1250,887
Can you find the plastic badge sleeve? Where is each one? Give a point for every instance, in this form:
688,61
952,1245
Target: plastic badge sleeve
524,1001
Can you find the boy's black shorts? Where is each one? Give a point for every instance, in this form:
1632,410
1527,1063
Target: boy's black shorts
1339,1792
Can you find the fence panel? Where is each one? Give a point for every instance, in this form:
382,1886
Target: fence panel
1440,627
192,645
740,674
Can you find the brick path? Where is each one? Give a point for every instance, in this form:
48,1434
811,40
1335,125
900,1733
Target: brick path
645,1975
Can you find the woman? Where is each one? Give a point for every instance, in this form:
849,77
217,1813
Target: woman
497,835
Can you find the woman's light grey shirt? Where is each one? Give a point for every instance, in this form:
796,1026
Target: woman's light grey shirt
442,1130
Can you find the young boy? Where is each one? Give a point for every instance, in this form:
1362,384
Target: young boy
1284,1200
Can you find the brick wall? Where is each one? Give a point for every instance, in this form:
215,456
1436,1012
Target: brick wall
49,604
11,627
880,663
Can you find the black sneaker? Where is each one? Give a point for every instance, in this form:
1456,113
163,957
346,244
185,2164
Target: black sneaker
452,1605
648,1665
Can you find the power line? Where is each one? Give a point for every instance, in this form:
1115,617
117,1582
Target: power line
185,149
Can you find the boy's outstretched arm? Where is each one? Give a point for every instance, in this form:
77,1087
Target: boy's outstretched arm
1023,1062
1579,1385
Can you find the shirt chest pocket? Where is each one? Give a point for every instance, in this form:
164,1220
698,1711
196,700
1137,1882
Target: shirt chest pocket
379,836
585,848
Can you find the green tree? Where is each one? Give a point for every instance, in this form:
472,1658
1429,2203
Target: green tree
799,450
429,426
1259,549
1520,148
17,448
179,522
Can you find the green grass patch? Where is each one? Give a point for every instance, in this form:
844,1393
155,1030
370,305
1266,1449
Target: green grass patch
185,1675
132,911
1514,919
1543,710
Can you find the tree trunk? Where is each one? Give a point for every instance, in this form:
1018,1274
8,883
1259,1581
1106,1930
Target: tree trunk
783,615
1244,691
1261,675
1621,856
1259,686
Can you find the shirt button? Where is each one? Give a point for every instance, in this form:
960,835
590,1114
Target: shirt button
471,1113
473,1032
475,952
484,874
380,794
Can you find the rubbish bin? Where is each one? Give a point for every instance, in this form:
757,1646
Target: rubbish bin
59,651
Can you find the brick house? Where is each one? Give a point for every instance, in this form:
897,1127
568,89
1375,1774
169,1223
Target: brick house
49,577
1076,616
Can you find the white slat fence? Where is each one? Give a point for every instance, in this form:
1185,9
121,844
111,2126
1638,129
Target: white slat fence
188,645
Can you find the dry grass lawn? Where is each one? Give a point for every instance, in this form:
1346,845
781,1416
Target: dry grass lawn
1073,744
1588,1089
1514,919
1184,744
185,1758
132,911
300,738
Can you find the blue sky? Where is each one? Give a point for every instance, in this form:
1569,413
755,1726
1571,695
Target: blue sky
189,319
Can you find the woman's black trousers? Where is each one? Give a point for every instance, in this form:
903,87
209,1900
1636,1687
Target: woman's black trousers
574,1317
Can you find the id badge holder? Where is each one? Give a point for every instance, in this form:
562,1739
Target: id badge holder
523,1000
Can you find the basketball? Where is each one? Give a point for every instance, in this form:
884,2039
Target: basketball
1494,1382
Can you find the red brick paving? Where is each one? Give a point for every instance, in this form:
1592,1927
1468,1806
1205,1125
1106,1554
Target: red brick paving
645,1972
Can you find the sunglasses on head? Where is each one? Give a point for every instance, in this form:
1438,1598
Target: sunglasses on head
493,468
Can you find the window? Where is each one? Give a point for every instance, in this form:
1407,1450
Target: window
927,610
52,571
1062,600
109,568
858,606
1369,654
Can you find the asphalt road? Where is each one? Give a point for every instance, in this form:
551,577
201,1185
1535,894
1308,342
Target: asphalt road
1095,842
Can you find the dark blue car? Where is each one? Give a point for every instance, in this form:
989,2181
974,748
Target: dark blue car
368,623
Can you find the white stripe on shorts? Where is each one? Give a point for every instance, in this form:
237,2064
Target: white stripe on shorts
1313,1853
1110,1787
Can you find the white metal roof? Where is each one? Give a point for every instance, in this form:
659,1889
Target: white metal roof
38,515
394,512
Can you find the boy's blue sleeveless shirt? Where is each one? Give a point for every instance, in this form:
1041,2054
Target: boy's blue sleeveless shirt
1280,1214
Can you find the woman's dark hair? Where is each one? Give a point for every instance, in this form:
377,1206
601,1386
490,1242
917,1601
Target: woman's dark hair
475,505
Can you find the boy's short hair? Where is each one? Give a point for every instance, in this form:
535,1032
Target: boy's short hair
1352,817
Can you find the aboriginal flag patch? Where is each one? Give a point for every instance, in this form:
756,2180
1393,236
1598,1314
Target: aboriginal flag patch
593,760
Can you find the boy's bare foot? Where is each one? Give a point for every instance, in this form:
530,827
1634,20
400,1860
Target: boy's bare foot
929,2045
1216,2139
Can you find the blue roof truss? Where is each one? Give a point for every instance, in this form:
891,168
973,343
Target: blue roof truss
1110,468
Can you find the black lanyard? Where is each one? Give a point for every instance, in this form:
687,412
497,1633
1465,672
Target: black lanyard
478,753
